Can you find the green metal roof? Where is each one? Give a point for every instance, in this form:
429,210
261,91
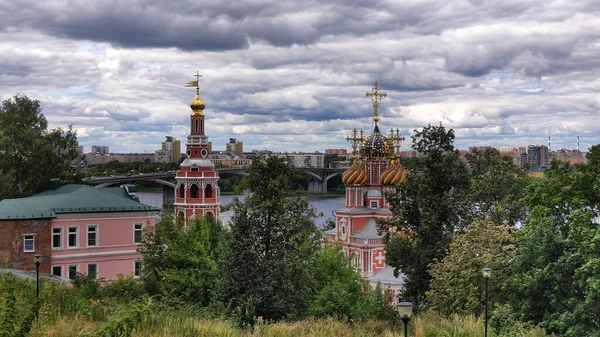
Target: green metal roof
72,199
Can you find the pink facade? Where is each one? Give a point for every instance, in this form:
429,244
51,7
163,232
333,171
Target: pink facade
104,243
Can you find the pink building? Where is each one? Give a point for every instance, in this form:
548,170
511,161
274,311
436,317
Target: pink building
375,171
77,229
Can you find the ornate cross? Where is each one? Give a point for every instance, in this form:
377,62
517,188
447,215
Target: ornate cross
198,76
376,96
355,139
396,139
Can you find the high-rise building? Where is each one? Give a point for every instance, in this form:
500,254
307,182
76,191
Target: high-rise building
100,150
376,170
537,156
197,191
170,151
336,151
234,146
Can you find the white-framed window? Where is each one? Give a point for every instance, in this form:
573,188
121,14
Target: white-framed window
73,271
73,237
57,270
92,235
92,270
57,238
137,233
137,268
374,204
29,243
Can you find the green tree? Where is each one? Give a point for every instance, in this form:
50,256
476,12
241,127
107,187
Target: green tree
557,263
457,285
180,263
497,187
267,270
427,209
32,155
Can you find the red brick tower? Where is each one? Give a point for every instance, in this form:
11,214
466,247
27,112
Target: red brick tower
197,193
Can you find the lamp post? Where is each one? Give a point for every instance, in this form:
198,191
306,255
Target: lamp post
405,310
487,272
37,259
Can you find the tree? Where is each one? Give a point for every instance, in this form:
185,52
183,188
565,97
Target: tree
267,269
180,263
497,187
457,285
32,155
427,209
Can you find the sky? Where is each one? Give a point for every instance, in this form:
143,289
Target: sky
292,75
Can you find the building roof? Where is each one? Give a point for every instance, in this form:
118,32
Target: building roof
368,231
364,210
386,276
73,199
332,231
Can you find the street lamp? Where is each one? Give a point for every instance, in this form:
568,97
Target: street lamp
487,272
37,259
405,310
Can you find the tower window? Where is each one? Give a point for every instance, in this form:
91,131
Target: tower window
208,192
194,193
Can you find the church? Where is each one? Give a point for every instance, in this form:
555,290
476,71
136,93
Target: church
376,170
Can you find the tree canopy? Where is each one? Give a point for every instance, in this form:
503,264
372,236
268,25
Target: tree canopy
32,155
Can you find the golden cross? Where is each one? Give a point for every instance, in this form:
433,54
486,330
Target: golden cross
396,139
198,76
376,96
355,140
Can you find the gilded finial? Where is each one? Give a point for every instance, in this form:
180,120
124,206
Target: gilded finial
197,104
355,139
376,95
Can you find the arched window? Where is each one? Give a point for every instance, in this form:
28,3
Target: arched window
181,191
194,192
180,217
202,126
208,192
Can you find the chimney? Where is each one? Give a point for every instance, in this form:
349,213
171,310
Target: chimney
54,183
577,143
548,143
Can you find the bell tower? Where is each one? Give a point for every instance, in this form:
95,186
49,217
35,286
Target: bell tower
197,193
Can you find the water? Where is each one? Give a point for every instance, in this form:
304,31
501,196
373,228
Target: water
323,204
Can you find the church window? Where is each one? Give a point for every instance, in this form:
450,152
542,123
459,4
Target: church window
180,217
374,204
202,126
208,192
181,191
194,193
196,126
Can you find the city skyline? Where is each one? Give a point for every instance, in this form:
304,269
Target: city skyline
293,76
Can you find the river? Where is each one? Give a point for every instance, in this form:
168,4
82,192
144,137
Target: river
323,204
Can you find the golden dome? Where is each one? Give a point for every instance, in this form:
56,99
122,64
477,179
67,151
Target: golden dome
197,106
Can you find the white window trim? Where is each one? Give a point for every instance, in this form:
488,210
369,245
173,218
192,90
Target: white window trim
61,270
60,238
87,269
374,202
87,232
141,268
141,232
76,270
76,237
33,238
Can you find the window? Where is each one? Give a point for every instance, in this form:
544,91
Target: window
56,238
72,271
137,268
28,243
374,204
57,270
92,270
73,237
92,235
137,233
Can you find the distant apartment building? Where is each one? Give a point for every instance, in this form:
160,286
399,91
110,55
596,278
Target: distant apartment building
79,149
512,152
305,159
170,151
120,157
341,152
537,156
572,157
99,150
234,146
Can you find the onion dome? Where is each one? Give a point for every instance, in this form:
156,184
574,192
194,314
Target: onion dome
375,146
355,175
395,174
197,105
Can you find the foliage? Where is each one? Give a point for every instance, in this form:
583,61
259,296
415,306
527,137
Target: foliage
267,271
497,187
180,263
457,285
26,146
127,321
427,209
557,265
12,322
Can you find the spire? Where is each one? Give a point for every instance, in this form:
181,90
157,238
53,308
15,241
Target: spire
197,104
376,96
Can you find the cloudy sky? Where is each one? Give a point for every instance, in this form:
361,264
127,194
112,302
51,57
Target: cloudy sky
292,75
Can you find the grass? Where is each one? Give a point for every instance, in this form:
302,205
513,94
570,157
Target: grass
67,312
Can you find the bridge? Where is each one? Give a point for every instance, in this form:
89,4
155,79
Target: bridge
317,184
